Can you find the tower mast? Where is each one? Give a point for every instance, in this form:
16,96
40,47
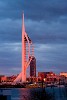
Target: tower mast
23,77
27,54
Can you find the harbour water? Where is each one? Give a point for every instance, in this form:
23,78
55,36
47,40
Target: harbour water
48,93
57,93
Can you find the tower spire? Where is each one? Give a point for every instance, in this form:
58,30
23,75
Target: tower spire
26,53
23,26
23,78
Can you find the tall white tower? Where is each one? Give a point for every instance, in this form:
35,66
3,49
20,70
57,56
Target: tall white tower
23,52
27,53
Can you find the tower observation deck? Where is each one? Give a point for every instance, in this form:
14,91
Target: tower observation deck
27,53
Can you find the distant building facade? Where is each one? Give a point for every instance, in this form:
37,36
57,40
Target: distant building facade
63,74
3,78
46,74
11,78
49,76
33,67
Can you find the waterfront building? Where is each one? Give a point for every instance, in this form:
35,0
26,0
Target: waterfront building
49,76
11,78
3,78
63,74
63,77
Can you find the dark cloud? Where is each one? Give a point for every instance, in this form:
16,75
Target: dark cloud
37,10
42,32
10,30
12,9
46,24
10,58
46,10
45,20
51,57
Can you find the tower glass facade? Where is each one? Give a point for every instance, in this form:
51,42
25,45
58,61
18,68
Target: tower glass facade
33,67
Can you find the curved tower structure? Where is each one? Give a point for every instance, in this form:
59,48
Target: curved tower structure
27,54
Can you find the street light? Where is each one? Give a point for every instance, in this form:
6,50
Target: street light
44,79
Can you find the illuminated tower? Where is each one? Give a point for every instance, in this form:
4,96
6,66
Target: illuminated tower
23,77
27,54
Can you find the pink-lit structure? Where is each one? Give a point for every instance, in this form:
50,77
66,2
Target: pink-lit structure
27,54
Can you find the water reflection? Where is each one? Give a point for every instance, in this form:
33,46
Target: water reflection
59,93
25,94
5,94
39,94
